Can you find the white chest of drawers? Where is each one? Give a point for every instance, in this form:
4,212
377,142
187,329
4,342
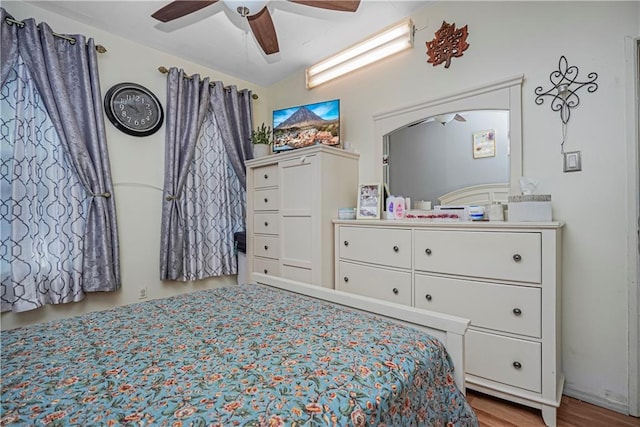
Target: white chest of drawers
291,200
505,277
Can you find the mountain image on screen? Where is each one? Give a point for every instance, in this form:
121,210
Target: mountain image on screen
304,128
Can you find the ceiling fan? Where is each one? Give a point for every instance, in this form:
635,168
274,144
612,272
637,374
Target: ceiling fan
442,119
255,11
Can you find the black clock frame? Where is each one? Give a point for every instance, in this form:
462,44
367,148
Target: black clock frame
110,105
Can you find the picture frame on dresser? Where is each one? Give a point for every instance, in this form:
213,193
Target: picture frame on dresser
369,201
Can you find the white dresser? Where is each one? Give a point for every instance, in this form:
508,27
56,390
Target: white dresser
292,198
505,277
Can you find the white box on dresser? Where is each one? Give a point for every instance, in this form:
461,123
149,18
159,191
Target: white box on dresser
504,276
292,198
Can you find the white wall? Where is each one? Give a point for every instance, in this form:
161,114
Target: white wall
507,39
137,166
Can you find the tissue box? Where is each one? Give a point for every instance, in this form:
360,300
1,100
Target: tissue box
528,208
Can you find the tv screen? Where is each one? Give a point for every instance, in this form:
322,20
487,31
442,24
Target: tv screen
306,125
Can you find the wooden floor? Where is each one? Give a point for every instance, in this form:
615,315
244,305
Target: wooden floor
494,412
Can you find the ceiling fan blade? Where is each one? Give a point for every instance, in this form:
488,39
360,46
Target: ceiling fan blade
265,33
341,5
179,8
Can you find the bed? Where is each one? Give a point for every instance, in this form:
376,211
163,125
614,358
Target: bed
255,355
483,194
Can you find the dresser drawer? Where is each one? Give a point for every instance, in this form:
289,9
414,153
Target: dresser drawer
380,246
506,360
266,247
265,176
266,266
493,255
266,223
265,200
509,308
374,282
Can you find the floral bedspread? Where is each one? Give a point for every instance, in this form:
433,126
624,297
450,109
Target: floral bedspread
243,355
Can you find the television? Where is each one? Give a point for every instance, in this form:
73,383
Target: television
306,125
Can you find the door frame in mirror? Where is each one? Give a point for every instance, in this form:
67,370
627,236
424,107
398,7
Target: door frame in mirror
505,94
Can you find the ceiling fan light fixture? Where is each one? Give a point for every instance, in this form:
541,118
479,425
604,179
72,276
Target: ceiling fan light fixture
245,7
389,41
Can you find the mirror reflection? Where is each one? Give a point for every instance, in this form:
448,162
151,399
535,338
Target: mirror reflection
429,158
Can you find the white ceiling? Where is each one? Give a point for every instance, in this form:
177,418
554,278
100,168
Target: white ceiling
217,37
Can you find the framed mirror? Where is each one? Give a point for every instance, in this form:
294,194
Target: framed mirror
473,155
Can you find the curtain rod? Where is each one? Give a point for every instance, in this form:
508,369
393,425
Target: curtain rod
165,70
20,24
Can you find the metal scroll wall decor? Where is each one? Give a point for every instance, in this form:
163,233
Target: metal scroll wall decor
563,92
449,42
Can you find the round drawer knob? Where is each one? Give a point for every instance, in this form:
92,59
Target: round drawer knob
346,279
428,297
266,248
266,176
427,251
346,243
266,200
517,311
266,271
517,365
396,249
517,257
266,224
395,291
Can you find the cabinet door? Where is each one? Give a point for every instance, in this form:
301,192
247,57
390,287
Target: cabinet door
297,185
298,243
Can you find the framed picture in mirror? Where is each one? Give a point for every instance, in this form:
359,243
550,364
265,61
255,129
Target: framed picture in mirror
484,144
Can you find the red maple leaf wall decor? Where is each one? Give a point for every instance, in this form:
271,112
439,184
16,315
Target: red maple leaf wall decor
448,42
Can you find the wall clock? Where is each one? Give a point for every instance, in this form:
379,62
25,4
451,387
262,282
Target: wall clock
133,109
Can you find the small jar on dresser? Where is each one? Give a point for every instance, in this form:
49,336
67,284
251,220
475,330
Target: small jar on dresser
503,276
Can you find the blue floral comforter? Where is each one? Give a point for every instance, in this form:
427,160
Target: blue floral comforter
238,356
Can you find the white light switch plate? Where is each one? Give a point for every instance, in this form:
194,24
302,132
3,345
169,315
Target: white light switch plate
572,161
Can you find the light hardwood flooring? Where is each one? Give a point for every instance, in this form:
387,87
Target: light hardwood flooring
493,412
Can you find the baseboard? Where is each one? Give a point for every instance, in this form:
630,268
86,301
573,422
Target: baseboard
595,400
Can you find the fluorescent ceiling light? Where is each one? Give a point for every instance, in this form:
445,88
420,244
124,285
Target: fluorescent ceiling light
394,39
